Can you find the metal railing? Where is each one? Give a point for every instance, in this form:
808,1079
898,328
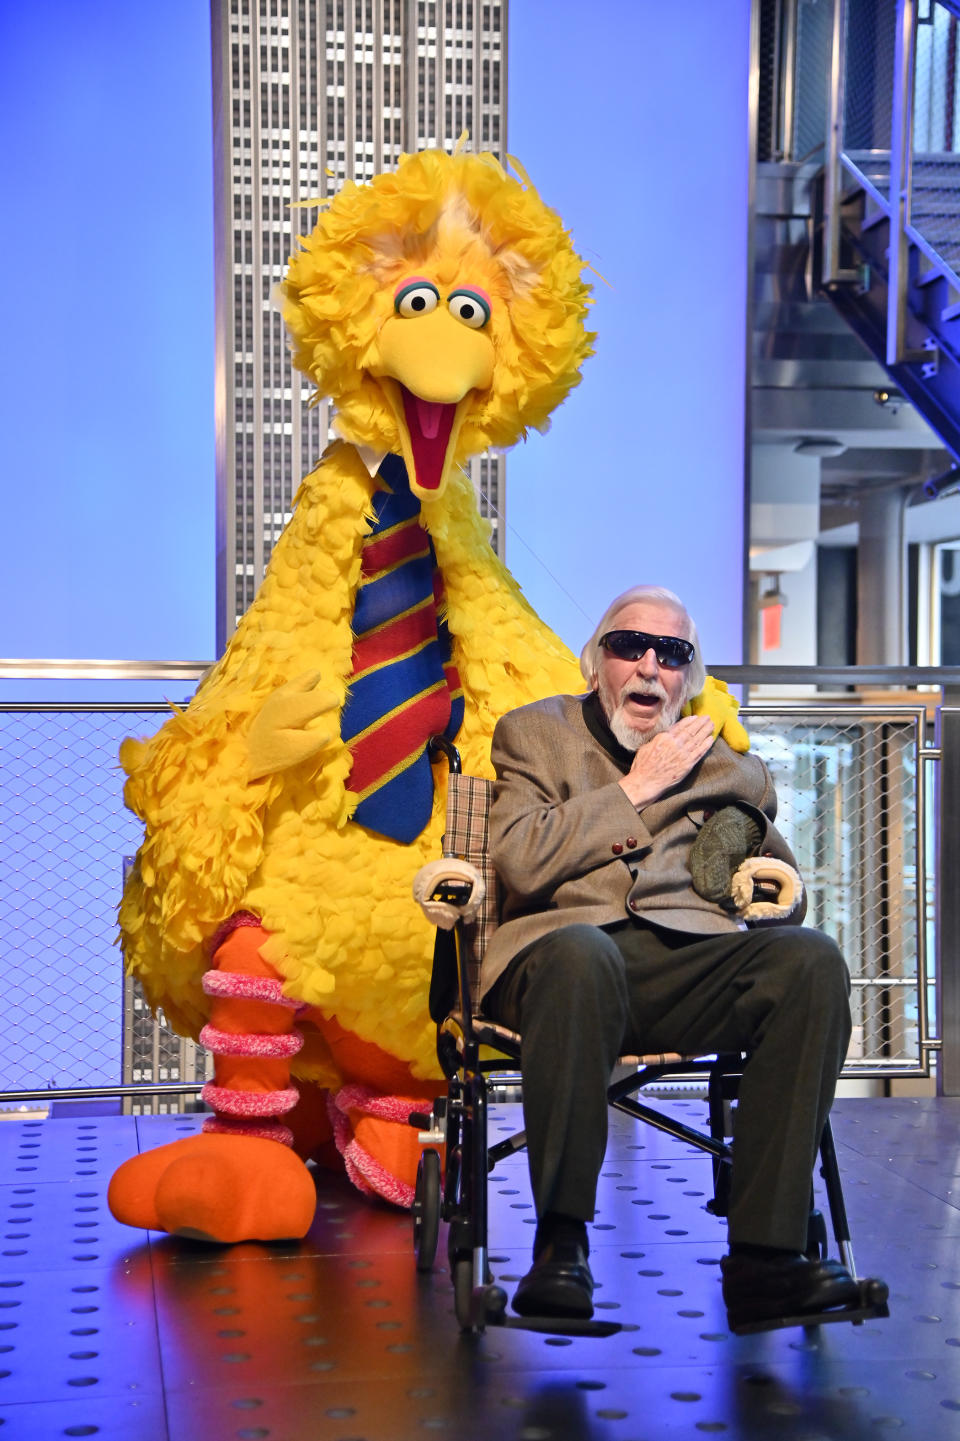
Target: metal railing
858,802
894,129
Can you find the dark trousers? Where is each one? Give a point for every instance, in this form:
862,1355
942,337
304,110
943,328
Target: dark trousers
581,996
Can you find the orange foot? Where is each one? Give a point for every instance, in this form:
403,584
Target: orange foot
216,1188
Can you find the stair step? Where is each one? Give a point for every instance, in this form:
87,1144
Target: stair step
946,246
875,218
950,312
879,182
950,254
930,183
930,277
947,213
937,174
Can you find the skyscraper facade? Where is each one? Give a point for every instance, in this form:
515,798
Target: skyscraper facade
308,94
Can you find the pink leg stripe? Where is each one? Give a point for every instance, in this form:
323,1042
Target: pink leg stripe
235,923
228,1043
250,1103
343,1138
366,1174
369,1176
263,1130
370,1103
239,986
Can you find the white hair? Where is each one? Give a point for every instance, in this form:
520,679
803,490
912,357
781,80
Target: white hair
642,595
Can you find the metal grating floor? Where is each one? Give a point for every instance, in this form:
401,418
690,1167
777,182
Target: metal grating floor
106,1333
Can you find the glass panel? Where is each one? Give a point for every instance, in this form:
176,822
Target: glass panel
947,601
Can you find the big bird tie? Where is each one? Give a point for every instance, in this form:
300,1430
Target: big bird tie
405,687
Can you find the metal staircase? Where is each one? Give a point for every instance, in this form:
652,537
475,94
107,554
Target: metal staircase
889,232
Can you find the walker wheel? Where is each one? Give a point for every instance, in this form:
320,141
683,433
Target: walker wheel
495,1304
463,1294
426,1210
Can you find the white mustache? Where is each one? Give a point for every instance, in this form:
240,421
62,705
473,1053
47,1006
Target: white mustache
642,687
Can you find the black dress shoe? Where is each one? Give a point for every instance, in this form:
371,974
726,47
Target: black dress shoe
763,1290
558,1283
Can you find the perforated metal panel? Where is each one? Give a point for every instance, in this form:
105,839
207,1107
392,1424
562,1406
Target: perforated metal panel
112,1333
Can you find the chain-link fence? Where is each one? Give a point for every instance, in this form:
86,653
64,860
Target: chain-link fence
848,787
153,1053
73,1021
851,808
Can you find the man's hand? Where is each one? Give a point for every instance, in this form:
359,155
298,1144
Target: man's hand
662,762
293,723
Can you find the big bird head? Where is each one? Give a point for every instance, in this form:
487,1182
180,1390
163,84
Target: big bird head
442,309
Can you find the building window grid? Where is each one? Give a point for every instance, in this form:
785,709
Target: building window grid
285,87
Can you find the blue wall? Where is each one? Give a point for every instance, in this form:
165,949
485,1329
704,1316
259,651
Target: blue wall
631,118
106,362
106,392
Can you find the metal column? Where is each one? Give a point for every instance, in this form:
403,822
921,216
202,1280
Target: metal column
948,900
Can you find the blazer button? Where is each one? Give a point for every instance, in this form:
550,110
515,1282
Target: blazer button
617,848
768,855
632,842
633,905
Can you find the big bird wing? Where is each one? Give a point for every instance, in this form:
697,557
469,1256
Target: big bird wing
203,785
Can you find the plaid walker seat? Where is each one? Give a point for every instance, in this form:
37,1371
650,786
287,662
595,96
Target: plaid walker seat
479,1056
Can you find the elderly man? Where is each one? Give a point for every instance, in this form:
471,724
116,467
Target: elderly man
615,937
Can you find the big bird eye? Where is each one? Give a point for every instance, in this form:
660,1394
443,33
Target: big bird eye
471,306
415,297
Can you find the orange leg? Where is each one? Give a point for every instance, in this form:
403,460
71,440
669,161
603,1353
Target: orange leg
251,1035
380,1149
233,1182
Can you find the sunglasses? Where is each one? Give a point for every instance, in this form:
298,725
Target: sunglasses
670,650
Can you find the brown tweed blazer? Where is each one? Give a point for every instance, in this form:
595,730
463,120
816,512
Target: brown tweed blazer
569,847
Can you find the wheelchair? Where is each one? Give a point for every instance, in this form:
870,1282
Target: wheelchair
479,1056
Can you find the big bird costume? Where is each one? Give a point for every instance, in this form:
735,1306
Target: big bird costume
288,807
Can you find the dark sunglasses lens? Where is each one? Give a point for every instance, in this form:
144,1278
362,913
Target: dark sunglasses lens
670,650
674,653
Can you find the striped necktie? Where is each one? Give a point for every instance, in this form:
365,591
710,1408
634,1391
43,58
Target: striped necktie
404,686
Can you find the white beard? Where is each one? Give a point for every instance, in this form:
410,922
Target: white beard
623,732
